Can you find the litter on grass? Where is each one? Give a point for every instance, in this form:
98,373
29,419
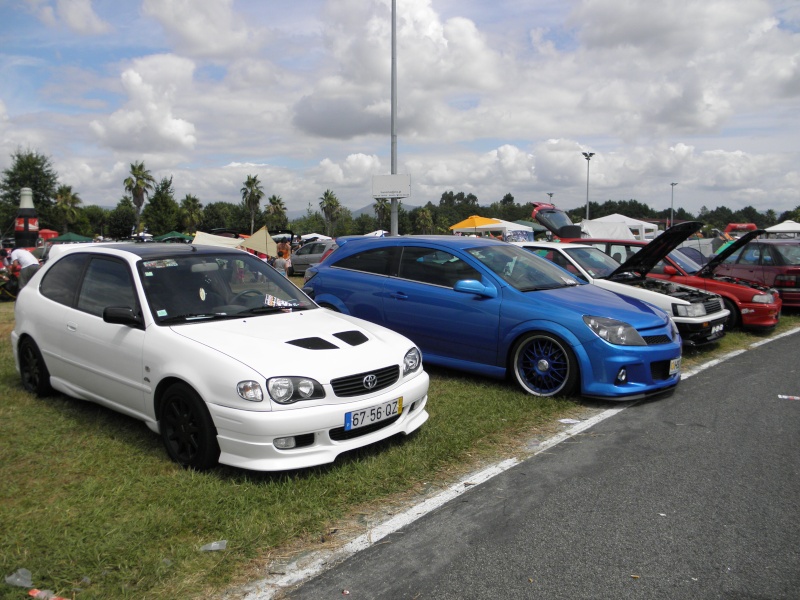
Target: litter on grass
20,578
220,545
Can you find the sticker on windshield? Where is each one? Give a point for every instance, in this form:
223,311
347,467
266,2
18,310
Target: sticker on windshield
275,301
569,281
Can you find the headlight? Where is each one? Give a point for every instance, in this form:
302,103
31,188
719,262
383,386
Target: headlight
763,299
286,390
250,390
689,310
411,361
614,332
674,326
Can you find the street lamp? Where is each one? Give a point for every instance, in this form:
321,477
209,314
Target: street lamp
551,196
672,205
588,156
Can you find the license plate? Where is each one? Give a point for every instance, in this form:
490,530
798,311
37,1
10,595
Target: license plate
675,366
375,414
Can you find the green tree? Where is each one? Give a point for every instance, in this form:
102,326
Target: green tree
331,208
162,212
312,222
96,218
32,170
383,209
67,206
507,199
191,213
216,215
276,213
251,198
139,184
423,220
122,221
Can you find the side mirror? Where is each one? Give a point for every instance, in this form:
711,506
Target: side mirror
122,315
473,286
670,270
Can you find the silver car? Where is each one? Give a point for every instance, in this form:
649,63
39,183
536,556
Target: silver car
309,255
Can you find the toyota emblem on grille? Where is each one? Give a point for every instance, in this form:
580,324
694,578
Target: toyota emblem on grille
370,381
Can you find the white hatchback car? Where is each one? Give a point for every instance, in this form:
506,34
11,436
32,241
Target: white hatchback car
213,349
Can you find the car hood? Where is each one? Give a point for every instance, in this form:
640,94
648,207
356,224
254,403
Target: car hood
590,299
711,265
645,259
315,343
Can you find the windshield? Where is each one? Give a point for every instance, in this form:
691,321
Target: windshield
521,269
685,263
228,284
595,262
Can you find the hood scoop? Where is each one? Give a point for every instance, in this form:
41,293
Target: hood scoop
313,343
354,338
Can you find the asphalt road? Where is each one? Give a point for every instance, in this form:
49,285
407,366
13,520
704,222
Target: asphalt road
696,495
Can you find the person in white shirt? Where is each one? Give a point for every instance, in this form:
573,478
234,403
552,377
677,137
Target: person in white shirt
27,263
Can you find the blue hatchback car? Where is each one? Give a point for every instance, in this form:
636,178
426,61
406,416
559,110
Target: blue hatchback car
488,307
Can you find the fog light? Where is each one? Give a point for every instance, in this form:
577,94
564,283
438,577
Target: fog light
622,376
284,443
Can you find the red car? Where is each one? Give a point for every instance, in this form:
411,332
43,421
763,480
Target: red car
752,305
772,262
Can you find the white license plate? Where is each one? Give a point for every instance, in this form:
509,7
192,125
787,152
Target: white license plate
374,414
675,366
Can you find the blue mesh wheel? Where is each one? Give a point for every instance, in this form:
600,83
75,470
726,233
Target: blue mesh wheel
544,365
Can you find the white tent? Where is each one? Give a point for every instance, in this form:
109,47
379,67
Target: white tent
260,241
314,236
509,231
208,239
609,231
786,229
641,230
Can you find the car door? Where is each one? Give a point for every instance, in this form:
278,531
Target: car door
106,358
745,264
420,303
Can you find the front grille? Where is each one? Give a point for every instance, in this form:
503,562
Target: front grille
340,435
652,340
353,385
712,306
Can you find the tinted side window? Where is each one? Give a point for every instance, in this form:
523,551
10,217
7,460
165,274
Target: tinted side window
106,283
427,265
60,283
379,261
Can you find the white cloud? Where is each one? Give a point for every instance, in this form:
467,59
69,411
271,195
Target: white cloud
77,15
203,28
146,123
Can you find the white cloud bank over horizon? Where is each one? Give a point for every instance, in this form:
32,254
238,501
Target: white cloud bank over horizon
492,99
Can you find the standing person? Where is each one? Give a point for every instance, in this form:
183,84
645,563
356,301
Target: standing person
280,263
27,264
286,248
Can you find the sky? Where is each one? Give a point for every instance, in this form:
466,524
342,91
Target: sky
492,98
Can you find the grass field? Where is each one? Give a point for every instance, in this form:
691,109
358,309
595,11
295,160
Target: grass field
93,508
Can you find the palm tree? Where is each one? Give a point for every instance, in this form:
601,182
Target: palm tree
67,203
251,198
139,184
330,206
382,210
191,213
276,211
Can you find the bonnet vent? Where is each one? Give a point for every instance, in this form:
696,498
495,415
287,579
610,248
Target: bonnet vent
313,343
354,338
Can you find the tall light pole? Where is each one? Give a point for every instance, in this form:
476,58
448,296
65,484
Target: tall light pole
551,196
588,156
393,218
672,205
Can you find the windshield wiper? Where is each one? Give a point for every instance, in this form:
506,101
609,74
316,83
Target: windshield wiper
192,317
265,309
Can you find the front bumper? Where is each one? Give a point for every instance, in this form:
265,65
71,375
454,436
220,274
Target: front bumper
702,332
246,438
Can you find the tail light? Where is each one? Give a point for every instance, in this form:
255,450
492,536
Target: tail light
785,281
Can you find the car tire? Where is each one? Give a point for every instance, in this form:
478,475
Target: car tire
33,370
187,430
734,319
544,365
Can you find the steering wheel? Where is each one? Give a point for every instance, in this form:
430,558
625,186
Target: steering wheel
246,294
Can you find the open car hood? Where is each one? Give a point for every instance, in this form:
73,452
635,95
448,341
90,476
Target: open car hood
711,265
645,259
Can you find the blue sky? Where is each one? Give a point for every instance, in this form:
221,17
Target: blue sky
493,98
